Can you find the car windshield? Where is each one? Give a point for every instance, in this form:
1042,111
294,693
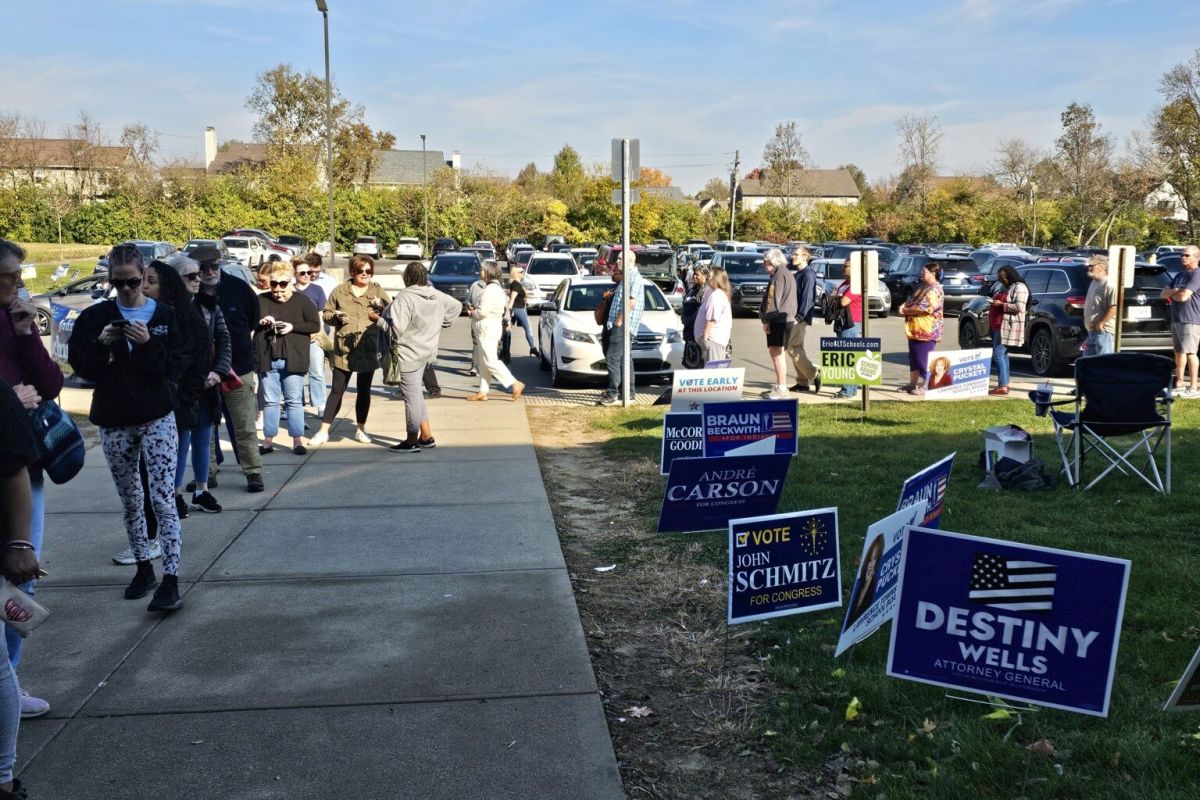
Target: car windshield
408,241
455,266
192,245
290,240
1152,278
843,252
552,266
744,266
365,240
587,297
236,243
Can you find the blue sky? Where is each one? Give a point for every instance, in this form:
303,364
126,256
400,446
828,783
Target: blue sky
510,81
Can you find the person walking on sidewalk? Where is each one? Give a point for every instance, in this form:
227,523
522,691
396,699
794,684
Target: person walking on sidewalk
714,320
486,328
923,313
1009,305
613,336
852,321
778,316
807,374
353,309
239,307
516,306
134,350
35,378
281,345
474,295
316,347
415,319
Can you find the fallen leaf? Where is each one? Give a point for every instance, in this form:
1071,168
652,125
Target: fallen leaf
1043,747
1165,636
999,713
609,568
852,709
839,673
639,711
929,726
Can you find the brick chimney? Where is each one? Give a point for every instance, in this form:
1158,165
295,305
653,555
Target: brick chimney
210,146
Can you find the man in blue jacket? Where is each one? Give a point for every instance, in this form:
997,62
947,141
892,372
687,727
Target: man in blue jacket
808,377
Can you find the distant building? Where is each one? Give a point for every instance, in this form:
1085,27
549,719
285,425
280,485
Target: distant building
809,187
1167,203
73,164
671,193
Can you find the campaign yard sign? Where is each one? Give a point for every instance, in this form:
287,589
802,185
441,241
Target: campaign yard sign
1186,696
683,437
703,494
783,564
852,362
956,374
692,388
930,485
728,426
873,597
1029,624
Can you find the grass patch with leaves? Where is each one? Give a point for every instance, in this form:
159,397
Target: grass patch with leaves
908,739
47,256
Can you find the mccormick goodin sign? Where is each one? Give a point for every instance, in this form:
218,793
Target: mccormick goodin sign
930,485
703,494
783,564
728,426
683,437
1029,624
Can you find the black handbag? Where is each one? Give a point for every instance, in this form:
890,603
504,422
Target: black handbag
60,443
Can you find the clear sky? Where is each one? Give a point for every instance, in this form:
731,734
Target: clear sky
510,81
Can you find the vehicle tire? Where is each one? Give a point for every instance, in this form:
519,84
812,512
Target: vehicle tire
968,334
1043,353
43,323
557,377
543,364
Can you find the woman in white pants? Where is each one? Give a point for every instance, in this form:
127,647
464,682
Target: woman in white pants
487,324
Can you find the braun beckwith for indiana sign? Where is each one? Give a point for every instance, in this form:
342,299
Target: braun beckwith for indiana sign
783,564
930,485
1029,624
728,426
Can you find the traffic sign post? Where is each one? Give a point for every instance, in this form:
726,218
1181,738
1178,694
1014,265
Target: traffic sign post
864,271
1121,260
626,164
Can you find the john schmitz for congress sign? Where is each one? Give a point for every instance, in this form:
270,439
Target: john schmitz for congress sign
728,426
1030,624
703,494
783,564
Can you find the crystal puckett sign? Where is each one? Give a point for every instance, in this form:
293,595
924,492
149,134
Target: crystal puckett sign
783,564
703,494
683,437
873,598
852,362
930,485
692,388
1029,624
728,426
955,374
1186,696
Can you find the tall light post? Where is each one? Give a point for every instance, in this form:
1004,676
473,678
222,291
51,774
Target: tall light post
1033,209
425,187
324,9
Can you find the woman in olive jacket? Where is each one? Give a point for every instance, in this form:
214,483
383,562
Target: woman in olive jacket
281,342
353,309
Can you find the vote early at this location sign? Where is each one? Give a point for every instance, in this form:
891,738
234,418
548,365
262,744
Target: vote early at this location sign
930,485
852,362
783,564
728,426
703,494
692,388
683,437
1025,623
1186,696
955,374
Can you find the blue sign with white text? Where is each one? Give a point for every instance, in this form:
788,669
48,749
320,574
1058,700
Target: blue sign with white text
703,494
930,485
1029,624
683,437
783,564
728,426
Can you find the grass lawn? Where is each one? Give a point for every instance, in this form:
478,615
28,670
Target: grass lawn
909,740
46,257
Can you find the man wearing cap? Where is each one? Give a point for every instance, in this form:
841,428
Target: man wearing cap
1184,295
239,305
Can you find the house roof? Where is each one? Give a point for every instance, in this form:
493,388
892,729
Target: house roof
809,183
63,153
665,192
403,167
234,155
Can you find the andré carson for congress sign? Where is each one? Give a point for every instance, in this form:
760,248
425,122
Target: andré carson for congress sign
1030,624
703,494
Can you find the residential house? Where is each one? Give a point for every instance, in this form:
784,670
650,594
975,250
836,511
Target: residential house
809,187
74,164
1166,202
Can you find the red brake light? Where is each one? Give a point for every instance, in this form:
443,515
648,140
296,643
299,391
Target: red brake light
977,278
1077,302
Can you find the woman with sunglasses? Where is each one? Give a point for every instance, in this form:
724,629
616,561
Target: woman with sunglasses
353,309
306,286
281,349
136,353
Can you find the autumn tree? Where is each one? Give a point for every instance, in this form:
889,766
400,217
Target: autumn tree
653,177
783,159
1175,136
920,145
1015,163
1083,162
716,188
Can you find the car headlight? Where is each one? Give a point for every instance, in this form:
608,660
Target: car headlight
577,336
674,337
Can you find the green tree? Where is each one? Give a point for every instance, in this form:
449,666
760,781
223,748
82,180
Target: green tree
1083,162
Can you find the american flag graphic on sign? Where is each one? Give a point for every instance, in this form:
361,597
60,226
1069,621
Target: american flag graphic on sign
1012,585
781,422
940,492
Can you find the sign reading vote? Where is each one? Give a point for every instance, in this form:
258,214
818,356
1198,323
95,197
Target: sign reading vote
683,437
852,362
1186,696
873,598
930,485
1029,624
955,374
692,388
783,564
703,494
728,426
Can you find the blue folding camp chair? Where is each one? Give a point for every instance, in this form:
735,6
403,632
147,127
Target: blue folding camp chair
1123,397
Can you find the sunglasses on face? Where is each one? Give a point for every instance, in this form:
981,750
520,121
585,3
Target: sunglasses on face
192,276
302,272
364,272
212,266
279,284
127,283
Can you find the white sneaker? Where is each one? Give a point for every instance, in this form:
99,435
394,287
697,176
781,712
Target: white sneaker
33,707
361,436
318,439
778,393
125,557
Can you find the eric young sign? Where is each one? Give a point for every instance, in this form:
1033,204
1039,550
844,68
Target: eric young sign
930,485
846,362
692,388
783,564
703,494
728,426
1029,624
683,437
955,374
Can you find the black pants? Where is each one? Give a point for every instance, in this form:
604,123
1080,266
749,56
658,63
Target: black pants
362,403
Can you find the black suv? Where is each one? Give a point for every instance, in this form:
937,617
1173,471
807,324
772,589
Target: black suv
961,278
748,278
1054,323
445,244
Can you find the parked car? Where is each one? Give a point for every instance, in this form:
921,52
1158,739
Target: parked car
485,247
841,252
551,240
991,267
366,246
546,271
444,244
747,277
269,242
569,338
77,294
830,271
153,250
511,244
521,258
1054,322
248,250
297,244
453,272
961,278
409,248
659,267
192,244
580,252
515,252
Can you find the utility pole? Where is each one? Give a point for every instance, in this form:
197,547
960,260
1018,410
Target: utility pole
323,7
425,186
733,182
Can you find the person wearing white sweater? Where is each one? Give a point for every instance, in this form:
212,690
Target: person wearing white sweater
487,325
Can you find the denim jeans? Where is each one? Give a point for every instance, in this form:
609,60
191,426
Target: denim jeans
521,317
853,332
37,527
198,442
316,376
1098,343
1000,360
614,357
10,718
292,395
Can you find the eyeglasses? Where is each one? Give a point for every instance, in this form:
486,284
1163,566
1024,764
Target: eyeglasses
210,266
279,284
363,272
127,283
192,276
300,272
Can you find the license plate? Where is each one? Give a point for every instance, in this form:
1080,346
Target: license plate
1139,312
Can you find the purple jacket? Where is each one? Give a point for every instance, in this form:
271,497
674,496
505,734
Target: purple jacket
23,359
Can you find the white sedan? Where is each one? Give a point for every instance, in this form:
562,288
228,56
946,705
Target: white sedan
569,338
366,246
409,248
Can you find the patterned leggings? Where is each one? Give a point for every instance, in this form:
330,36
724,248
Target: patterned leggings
157,443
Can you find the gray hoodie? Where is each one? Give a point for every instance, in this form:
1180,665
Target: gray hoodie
415,319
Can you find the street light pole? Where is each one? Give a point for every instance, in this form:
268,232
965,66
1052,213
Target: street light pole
1033,208
324,9
425,188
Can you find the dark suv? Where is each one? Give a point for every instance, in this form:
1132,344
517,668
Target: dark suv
748,278
445,244
1054,323
961,278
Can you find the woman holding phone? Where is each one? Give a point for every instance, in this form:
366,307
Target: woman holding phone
281,349
353,309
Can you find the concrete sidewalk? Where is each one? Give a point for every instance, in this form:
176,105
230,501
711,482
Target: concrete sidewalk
375,625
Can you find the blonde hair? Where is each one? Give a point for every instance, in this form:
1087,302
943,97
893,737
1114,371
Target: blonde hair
719,280
278,268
